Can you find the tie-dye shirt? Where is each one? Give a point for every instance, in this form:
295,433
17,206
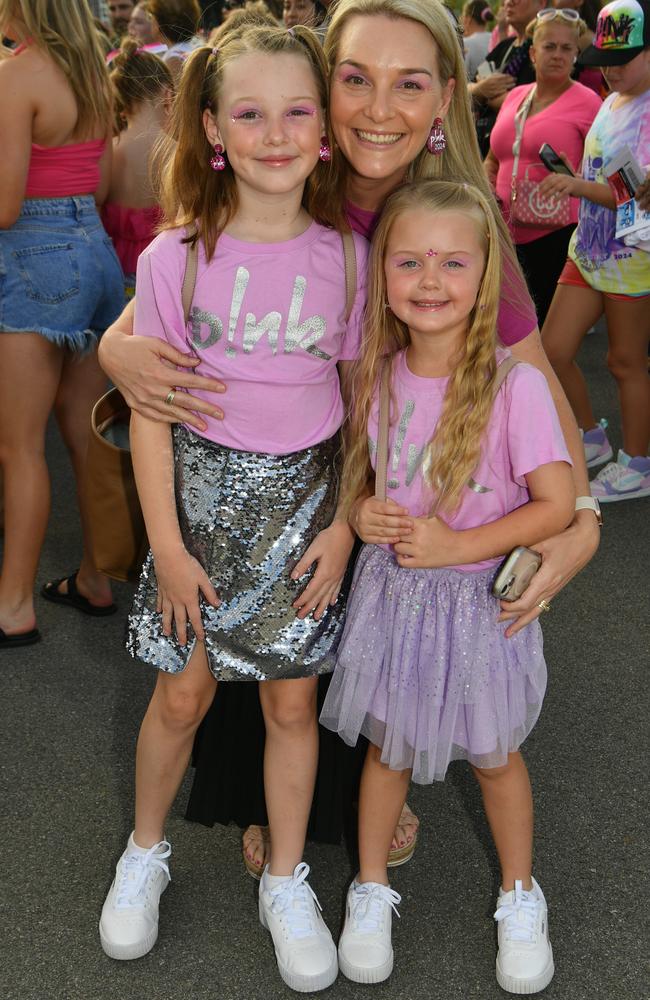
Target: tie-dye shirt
606,263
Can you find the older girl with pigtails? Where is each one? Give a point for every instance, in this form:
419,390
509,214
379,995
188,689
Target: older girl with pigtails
238,513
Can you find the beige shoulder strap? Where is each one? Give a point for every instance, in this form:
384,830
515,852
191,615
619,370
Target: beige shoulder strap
350,257
502,373
189,278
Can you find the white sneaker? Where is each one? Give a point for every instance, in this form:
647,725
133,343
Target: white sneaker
365,949
304,948
128,927
525,956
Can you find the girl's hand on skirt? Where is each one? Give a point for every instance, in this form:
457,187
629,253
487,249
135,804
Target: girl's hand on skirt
381,523
180,580
431,544
330,550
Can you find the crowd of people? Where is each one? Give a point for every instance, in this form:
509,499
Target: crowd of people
313,245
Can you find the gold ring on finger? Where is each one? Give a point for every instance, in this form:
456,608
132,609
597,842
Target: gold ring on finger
544,605
169,398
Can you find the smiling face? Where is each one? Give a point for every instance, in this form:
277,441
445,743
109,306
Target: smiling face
269,121
433,264
553,51
385,94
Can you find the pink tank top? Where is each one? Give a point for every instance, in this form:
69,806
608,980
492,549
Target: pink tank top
131,229
61,171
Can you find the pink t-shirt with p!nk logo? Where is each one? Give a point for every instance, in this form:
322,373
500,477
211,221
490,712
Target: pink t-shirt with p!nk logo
269,320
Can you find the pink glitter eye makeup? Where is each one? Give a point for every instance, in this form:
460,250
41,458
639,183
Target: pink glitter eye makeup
423,83
247,114
351,77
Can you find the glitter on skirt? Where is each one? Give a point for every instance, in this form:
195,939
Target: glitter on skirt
424,671
247,518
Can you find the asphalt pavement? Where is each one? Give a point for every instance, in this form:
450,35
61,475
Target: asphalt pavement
71,707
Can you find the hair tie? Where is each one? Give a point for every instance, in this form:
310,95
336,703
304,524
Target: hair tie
215,50
291,32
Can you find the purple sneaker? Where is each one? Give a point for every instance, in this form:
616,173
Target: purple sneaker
597,448
624,479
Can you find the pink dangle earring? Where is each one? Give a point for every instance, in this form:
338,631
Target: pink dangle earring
324,153
218,161
437,141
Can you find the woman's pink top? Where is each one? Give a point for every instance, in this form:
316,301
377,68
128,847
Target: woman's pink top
131,230
564,124
61,171
517,317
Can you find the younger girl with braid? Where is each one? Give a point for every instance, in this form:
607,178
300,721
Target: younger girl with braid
425,670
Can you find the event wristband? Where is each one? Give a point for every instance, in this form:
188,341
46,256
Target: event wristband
590,503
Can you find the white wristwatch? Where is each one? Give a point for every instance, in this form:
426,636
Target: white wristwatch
590,503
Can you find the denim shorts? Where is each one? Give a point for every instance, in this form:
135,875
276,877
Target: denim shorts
59,274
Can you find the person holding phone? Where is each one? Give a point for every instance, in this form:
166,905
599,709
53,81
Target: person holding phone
557,106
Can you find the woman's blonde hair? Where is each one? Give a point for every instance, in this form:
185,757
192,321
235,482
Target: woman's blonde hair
66,31
461,160
191,193
538,25
453,452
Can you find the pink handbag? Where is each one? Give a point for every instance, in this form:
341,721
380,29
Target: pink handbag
530,208
527,206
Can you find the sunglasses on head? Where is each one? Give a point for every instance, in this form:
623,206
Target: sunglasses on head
550,13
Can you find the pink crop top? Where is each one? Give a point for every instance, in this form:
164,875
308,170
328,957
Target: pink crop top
61,171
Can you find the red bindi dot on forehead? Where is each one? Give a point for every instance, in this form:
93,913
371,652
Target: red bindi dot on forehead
431,253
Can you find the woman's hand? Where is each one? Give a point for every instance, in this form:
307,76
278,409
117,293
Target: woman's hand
144,370
380,523
180,580
495,85
330,550
563,556
431,544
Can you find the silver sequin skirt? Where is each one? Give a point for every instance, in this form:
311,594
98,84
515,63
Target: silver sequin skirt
247,518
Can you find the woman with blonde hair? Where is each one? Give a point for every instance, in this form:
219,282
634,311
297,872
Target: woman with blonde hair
399,110
62,284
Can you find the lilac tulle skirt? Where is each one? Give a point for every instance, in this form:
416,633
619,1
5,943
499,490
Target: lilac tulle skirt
425,672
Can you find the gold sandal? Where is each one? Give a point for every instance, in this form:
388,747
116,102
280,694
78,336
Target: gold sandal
400,855
257,835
